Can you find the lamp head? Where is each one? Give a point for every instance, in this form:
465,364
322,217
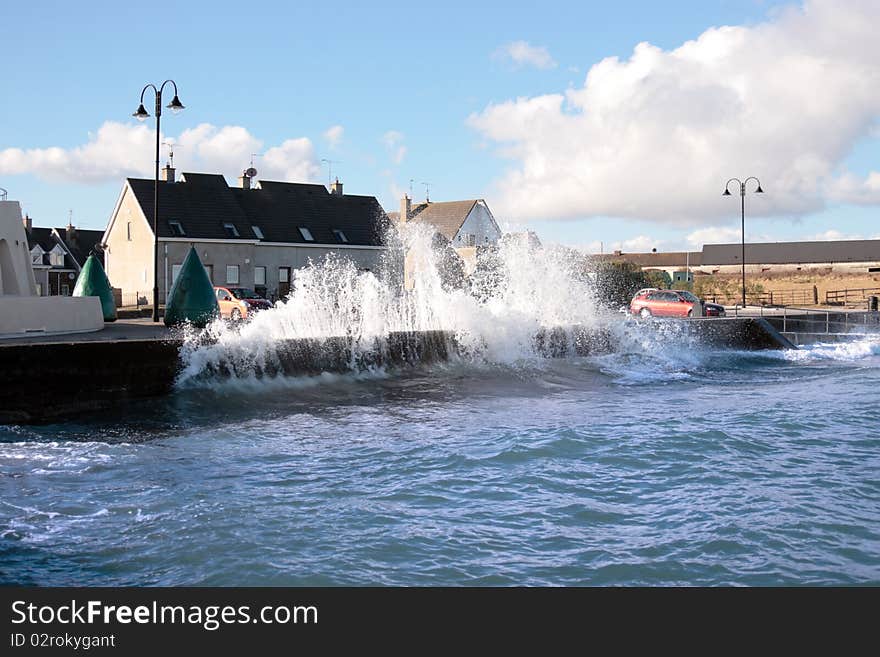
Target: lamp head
726,192
175,105
141,114
759,190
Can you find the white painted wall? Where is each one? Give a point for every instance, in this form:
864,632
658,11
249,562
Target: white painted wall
479,223
16,271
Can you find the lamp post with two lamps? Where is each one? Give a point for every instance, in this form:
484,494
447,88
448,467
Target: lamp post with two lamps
742,193
141,114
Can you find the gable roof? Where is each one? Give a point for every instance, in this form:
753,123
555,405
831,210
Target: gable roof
81,243
446,216
202,203
793,252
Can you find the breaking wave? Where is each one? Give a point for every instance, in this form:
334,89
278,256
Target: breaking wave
516,292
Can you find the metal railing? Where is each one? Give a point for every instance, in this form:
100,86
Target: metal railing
850,297
793,319
137,299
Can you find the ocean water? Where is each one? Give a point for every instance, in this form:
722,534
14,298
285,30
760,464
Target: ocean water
726,468
664,463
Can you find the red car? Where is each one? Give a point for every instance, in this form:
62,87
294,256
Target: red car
670,303
237,303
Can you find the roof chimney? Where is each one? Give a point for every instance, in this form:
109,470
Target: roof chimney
70,234
168,173
28,223
244,181
336,188
405,209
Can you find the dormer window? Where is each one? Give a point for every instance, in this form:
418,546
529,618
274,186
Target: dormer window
231,230
258,232
306,234
56,259
340,236
176,228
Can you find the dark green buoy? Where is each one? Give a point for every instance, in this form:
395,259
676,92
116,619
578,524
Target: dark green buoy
192,297
93,282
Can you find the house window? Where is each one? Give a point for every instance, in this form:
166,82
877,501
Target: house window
56,259
258,232
259,275
471,240
232,274
37,258
340,236
306,234
128,231
283,274
176,228
175,271
65,290
231,230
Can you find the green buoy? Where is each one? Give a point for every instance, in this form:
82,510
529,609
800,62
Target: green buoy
93,282
192,297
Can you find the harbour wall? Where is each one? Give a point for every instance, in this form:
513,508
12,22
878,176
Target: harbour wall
50,381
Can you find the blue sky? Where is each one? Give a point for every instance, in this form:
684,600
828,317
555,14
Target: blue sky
412,89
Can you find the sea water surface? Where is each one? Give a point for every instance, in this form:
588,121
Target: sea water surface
654,467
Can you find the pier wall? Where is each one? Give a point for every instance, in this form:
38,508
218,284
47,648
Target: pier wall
45,382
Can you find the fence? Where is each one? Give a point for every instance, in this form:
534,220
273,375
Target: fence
136,299
848,297
766,298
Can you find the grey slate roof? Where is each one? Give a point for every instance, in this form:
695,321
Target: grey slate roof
667,259
202,203
82,243
41,236
793,252
447,217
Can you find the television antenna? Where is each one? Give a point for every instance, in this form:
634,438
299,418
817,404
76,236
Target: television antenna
170,146
330,164
3,194
427,192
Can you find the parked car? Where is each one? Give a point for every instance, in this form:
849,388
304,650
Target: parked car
237,303
670,303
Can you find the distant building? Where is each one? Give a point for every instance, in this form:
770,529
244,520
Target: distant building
254,236
465,226
680,265
839,256
58,255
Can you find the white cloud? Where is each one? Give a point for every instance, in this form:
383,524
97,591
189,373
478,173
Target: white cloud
333,135
520,54
850,189
657,135
714,235
118,150
831,235
393,141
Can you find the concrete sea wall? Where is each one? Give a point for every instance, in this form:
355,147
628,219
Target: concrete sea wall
45,382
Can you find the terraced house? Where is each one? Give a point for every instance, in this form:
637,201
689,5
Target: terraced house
253,235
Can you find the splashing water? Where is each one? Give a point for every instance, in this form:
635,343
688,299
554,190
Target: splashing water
516,292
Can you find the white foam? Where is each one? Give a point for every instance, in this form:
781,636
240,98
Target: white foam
539,288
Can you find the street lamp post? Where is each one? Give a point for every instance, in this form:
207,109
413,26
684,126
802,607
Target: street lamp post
141,114
742,194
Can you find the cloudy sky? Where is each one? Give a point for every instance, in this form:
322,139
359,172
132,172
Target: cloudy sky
600,125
